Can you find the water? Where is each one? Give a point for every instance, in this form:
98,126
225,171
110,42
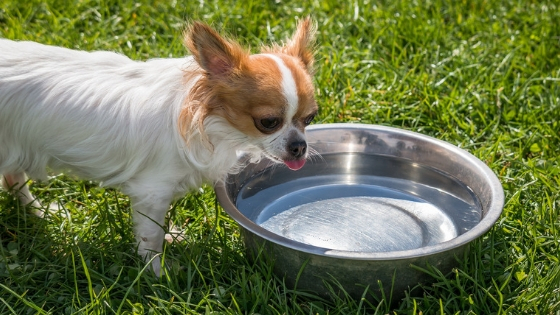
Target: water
359,202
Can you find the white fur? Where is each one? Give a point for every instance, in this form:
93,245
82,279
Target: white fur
278,141
289,87
105,117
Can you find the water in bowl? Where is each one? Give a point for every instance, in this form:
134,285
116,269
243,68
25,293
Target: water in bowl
360,202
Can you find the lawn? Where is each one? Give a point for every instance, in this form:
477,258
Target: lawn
482,75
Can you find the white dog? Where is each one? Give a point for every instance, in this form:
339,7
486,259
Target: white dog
154,129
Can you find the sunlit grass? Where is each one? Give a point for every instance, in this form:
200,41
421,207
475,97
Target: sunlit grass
483,75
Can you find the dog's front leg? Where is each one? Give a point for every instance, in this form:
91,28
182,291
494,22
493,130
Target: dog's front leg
149,206
17,184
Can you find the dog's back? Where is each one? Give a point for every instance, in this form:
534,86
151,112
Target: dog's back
83,111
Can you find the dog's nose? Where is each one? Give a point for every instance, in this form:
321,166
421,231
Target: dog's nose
297,148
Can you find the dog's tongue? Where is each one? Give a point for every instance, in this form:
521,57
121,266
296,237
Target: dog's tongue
295,165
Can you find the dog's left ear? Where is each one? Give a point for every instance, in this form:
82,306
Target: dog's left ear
301,43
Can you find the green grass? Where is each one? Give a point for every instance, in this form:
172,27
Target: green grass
483,75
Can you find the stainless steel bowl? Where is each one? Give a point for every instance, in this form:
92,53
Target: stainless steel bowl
373,202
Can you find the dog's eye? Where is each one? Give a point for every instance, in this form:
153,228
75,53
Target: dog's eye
269,124
309,119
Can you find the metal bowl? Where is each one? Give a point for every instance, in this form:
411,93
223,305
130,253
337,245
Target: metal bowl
373,202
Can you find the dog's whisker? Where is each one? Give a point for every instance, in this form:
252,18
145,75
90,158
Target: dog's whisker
314,155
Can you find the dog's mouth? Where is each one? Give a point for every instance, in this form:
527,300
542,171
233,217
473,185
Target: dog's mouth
290,163
294,164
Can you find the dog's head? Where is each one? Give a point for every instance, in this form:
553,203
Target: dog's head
269,96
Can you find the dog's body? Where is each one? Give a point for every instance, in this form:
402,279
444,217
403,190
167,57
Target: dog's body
154,129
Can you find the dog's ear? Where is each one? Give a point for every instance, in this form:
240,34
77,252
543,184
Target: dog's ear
215,54
301,43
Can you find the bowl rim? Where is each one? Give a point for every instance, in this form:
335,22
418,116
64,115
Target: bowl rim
492,214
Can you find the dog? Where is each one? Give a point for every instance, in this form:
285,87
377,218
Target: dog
154,129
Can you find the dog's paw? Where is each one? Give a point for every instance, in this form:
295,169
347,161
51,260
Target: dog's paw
156,266
53,209
175,235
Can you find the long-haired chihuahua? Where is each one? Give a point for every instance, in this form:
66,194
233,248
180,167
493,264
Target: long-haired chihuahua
153,129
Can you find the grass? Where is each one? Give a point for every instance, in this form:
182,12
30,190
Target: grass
483,75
